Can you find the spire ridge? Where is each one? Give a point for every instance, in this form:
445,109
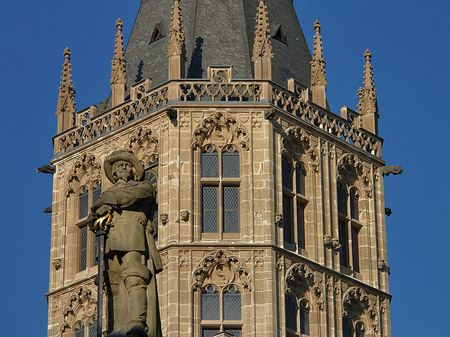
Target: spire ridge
367,97
176,34
118,69
65,110
262,46
318,72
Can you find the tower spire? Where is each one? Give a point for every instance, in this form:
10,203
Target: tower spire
65,110
118,68
262,49
318,72
175,49
367,97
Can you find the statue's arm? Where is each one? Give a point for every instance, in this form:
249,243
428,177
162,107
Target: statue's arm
127,196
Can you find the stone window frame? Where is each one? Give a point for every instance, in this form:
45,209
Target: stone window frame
81,223
220,182
297,198
357,328
222,324
349,226
300,304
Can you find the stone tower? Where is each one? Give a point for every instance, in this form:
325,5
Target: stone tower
270,206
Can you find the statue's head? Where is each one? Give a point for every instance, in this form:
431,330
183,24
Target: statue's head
123,165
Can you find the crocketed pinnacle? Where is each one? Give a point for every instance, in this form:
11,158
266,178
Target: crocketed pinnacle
176,34
318,72
66,97
118,69
262,46
367,96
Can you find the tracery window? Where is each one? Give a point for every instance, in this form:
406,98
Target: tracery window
220,180
349,226
297,317
79,329
221,311
350,330
88,243
294,204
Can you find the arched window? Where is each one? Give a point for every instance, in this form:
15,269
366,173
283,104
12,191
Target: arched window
221,311
79,329
88,243
220,179
347,328
93,328
294,204
359,327
297,317
304,318
349,227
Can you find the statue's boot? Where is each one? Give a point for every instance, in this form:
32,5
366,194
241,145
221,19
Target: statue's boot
137,306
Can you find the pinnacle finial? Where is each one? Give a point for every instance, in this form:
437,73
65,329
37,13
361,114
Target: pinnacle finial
318,72
66,99
176,34
367,96
118,69
262,46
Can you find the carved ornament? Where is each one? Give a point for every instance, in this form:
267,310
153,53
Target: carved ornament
299,279
144,144
221,268
220,129
81,306
86,170
355,303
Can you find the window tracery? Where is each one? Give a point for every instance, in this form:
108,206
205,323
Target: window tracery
220,281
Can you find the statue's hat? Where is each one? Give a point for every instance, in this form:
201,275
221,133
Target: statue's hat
126,156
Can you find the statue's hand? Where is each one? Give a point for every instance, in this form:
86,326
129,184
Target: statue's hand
103,210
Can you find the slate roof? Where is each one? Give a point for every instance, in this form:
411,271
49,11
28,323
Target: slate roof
217,33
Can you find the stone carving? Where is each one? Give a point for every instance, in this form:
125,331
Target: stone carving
262,46
131,257
367,96
299,279
118,71
259,256
221,268
279,219
81,306
297,142
351,169
85,171
394,169
164,218
331,243
184,215
56,263
383,267
318,73
355,302
176,34
220,129
65,110
144,144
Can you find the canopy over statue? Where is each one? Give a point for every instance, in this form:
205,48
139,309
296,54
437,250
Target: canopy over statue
131,257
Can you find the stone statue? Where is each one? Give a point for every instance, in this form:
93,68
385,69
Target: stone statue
131,257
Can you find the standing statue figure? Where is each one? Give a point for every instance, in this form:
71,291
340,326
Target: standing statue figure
131,257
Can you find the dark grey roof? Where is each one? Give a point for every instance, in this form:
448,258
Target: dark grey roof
217,33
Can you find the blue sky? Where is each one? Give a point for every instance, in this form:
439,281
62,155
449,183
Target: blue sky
410,48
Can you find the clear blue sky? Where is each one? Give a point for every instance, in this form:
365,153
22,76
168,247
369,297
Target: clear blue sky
410,46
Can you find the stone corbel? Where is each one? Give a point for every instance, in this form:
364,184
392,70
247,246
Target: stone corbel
331,243
279,219
184,214
164,218
383,267
57,263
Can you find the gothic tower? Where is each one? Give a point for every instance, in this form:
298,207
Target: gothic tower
270,206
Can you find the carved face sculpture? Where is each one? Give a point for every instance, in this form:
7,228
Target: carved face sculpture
123,170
